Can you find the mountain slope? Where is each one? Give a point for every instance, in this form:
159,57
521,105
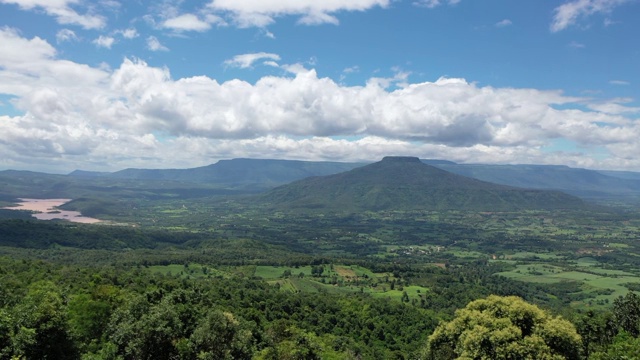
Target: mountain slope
579,182
405,183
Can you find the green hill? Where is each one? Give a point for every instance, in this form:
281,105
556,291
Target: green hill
405,183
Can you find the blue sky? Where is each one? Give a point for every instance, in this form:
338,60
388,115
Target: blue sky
105,85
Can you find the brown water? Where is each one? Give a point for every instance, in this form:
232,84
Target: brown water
46,209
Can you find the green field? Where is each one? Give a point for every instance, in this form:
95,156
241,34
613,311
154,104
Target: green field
187,271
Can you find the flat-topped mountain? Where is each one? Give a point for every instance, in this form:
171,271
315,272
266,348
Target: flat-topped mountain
405,183
258,173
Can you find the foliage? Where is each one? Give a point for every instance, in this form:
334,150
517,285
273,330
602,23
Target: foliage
624,347
504,328
627,313
68,312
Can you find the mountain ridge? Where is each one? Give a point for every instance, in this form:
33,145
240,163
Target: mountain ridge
263,174
405,183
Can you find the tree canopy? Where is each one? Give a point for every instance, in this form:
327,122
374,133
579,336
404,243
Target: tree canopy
504,328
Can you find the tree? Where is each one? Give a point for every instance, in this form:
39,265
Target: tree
142,330
221,336
5,334
40,325
626,311
597,330
624,347
504,328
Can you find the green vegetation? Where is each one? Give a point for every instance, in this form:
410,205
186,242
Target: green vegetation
504,328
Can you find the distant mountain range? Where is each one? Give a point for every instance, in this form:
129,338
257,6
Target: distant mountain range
236,173
258,174
580,182
406,183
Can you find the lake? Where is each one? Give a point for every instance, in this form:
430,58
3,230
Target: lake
47,209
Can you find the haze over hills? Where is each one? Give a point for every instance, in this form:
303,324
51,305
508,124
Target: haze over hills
256,175
579,182
261,174
406,183
245,173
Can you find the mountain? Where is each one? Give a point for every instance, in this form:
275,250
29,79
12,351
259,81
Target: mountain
260,174
579,182
405,183
240,173
621,174
87,174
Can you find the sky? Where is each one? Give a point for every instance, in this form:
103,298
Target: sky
111,84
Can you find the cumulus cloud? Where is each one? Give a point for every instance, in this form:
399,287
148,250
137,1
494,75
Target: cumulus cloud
63,12
248,13
247,60
138,113
190,22
615,106
569,13
154,44
503,23
104,41
130,33
65,35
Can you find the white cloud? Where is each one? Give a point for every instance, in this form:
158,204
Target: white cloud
503,23
130,33
615,106
569,13
62,11
154,44
189,22
74,114
352,69
104,41
269,34
619,82
260,13
576,45
247,60
434,3
65,35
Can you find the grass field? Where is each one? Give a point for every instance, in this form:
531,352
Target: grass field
190,271
275,272
337,279
600,286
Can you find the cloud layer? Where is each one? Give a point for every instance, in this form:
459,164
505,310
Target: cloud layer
246,13
138,115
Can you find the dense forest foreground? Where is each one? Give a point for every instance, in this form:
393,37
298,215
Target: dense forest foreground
175,271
